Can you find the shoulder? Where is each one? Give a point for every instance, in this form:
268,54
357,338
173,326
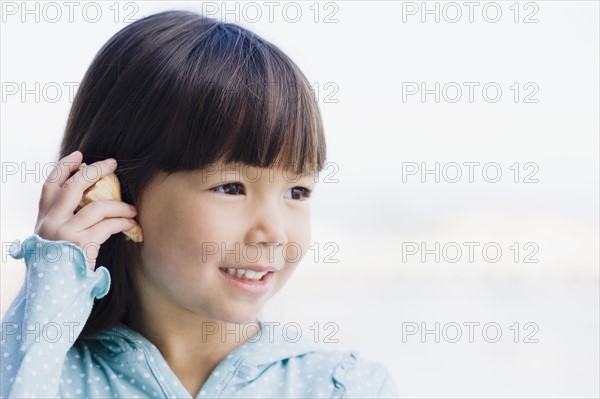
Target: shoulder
354,375
343,374
303,368
106,365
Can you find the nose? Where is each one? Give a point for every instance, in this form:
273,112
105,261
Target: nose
268,226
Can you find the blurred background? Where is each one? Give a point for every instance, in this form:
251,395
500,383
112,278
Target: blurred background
455,228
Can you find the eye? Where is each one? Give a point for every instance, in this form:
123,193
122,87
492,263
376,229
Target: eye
229,188
298,193
301,193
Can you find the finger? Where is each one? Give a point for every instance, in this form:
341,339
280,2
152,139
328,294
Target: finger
102,231
72,190
53,183
96,211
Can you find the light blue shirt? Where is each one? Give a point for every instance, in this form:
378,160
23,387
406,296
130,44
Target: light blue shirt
42,355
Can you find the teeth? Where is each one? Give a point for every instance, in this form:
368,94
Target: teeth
242,273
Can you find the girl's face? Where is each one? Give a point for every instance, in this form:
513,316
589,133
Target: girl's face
227,215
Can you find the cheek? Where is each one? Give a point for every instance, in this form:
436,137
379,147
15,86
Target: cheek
177,235
299,238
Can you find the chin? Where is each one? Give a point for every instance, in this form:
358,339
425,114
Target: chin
242,316
243,319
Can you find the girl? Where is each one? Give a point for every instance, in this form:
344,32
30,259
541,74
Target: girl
215,136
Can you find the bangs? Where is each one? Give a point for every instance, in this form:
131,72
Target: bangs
238,98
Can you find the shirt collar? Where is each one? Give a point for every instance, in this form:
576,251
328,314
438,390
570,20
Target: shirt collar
275,342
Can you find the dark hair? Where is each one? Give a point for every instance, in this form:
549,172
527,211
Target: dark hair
177,91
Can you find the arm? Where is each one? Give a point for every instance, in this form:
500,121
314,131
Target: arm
47,315
61,281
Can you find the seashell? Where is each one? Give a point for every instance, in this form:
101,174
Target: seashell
108,188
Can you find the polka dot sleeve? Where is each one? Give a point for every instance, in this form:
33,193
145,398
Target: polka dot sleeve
47,316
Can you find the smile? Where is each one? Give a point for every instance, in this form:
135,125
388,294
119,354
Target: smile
245,273
257,285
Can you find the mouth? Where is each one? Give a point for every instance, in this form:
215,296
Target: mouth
250,274
257,286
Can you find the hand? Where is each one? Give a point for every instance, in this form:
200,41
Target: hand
93,224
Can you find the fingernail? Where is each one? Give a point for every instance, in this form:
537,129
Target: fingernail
111,161
73,153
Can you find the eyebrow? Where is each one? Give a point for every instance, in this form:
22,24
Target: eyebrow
228,168
226,171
